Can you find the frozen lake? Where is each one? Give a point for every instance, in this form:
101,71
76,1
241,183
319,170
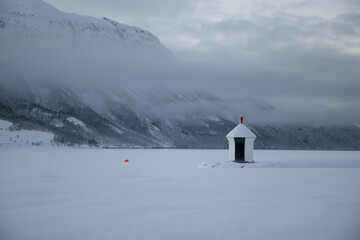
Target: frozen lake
64,193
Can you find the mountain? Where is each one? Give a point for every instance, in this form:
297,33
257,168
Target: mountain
160,118
40,23
130,117
98,82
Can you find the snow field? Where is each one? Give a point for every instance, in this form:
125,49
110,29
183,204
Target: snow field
64,193
77,122
23,137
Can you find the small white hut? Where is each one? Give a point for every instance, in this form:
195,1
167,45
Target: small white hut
241,143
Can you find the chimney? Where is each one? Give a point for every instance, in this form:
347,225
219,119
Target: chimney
241,119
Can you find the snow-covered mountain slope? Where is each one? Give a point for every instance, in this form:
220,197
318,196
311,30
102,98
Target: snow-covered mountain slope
42,25
184,120
10,136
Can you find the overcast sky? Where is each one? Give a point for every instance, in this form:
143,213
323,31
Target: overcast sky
296,54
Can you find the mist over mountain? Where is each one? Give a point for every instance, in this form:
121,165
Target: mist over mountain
99,82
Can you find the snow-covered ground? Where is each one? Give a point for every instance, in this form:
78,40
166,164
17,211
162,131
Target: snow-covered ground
10,136
68,193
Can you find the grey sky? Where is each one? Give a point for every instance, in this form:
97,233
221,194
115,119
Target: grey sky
298,55
181,24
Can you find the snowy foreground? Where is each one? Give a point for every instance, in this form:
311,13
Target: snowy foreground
63,193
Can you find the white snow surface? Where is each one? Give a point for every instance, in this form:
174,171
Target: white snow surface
67,193
77,122
37,24
5,124
11,137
